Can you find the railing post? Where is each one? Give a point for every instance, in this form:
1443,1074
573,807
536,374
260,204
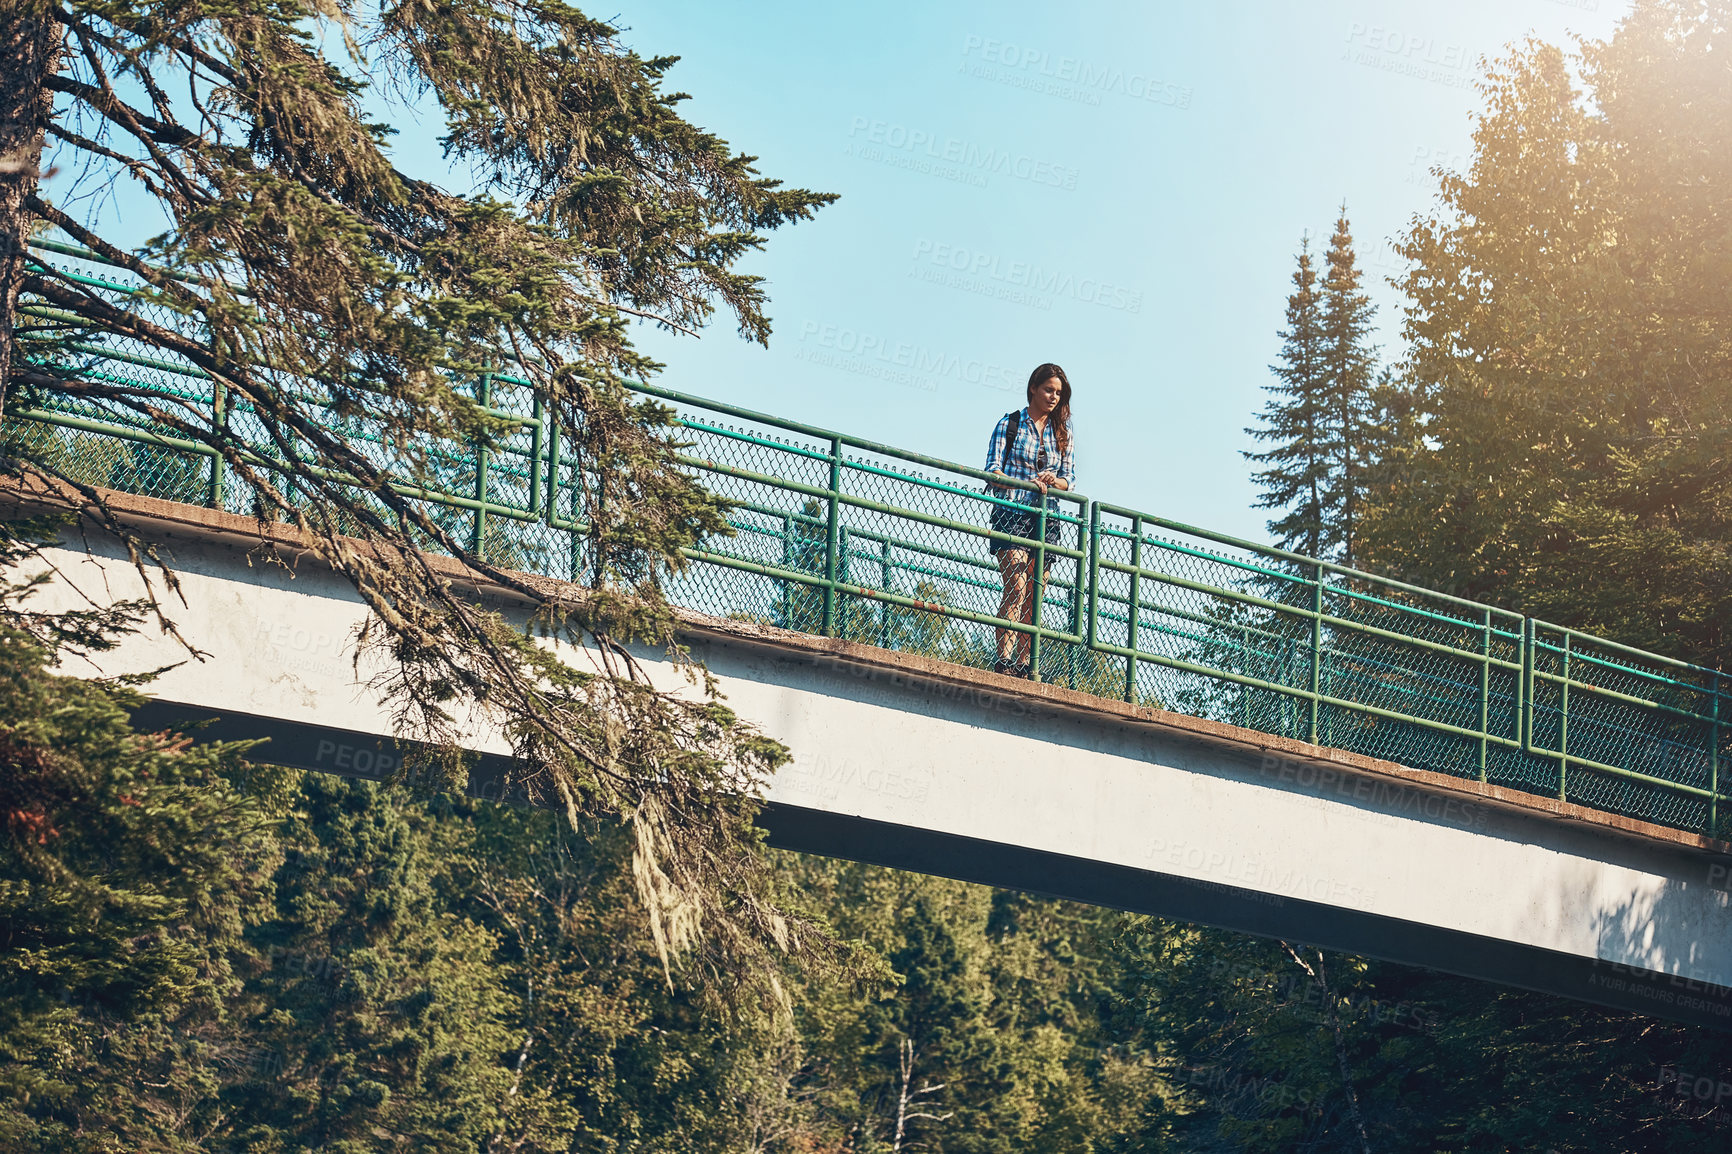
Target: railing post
1132,626
483,388
884,584
1241,691
214,490
1076,586
1091,558
1714,756
842,576
790,560
1525,708
550,503
537,446
1564,725
1316,649
1039,589
833,538
1484,694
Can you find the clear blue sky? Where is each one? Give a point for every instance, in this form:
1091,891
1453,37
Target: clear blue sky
1149,166
1118,187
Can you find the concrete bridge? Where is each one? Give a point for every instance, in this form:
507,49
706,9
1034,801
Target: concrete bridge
921,764
1218,731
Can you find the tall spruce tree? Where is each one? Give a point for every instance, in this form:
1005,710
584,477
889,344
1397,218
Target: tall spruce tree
1319,417
378,1012
324,292
1009,1013
1295,476
1349,366
1556,441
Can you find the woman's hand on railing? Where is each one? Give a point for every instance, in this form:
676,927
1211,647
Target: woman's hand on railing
1042,482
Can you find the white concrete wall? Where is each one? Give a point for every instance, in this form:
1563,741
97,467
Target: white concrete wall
871,746
1139,797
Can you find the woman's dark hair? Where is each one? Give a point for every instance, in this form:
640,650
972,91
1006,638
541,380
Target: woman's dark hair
1060,414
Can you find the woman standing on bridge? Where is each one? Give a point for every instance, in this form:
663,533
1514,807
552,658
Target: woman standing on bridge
1033,445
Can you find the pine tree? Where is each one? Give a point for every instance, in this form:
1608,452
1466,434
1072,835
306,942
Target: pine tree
600,1047
130,866
1296,419
376,1008
1556,441
297,252
1005,1007
1320,414
1282,1048
1348,384
1254,1033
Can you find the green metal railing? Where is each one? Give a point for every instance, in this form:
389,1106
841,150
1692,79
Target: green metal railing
840,536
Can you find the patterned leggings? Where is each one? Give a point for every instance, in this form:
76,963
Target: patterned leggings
1016,566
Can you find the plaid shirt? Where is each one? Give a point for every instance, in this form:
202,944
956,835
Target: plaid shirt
1030,454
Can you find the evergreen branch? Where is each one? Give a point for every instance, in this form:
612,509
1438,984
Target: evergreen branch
146,128
352,275
116,256
137,168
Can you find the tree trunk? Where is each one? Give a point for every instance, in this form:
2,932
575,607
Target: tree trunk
30,43
905,1102
903,1097
1318,976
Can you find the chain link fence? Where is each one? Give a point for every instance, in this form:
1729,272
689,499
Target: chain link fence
839,536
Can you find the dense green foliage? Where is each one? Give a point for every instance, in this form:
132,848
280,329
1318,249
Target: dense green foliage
340,319
131,871
199,954
1005,1030
1279,1048
1570,344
